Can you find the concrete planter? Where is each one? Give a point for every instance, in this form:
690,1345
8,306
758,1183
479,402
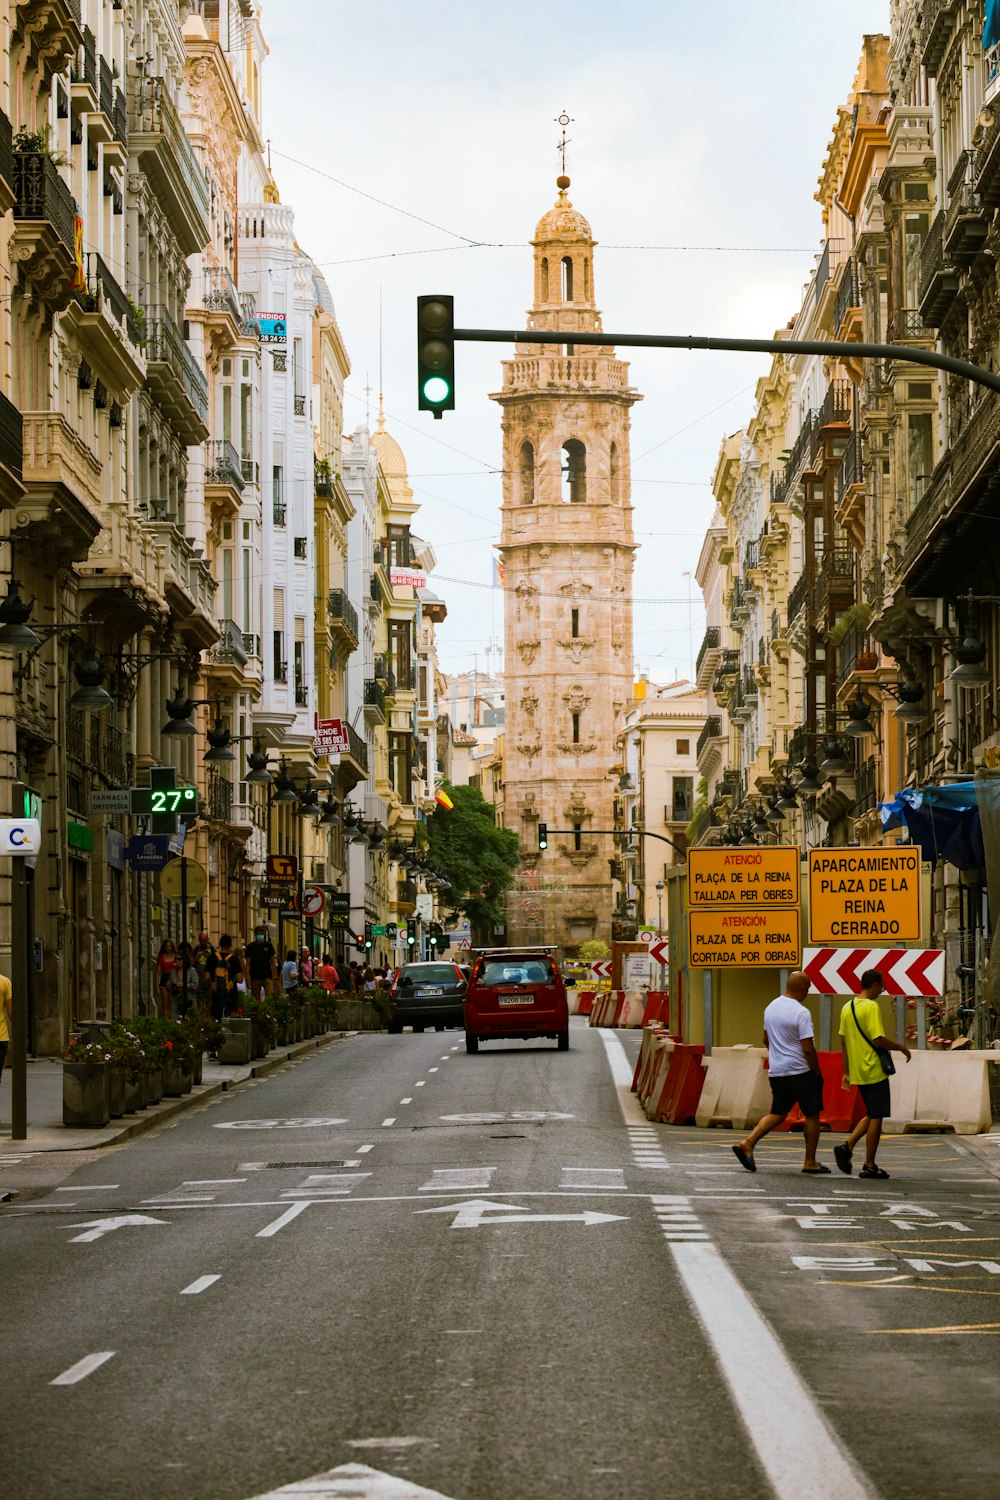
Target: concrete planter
176,1081
154,1086
238,1040
86,1095
199,1065
116,1093
258,1041
133,1095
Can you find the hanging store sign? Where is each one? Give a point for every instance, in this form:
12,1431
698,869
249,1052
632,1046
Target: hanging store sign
339,908
743,939
282,868
149,853
743,877
864,893
330,737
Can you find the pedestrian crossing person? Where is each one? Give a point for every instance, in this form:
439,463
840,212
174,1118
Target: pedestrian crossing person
794,1073
867,1054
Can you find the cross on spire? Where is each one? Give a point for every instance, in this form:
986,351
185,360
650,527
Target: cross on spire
563,120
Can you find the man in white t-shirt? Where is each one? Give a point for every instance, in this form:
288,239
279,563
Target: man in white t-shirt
794,1071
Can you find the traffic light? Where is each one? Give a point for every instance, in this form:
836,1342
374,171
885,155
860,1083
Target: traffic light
411,933
368,940
434,935
543,835
359,941
436,354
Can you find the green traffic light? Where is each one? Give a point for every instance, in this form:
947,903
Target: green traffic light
436,389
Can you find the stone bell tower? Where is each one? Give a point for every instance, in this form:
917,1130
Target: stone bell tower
568,555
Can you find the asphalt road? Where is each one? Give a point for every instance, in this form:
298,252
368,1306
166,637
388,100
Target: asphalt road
488,1277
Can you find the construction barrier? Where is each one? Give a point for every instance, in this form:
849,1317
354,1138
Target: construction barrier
677,1088
842,1108
657,1008
618,1008
736,1091
943,1091
646,1062
586,1000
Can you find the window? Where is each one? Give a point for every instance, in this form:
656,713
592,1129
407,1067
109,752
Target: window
577,835
247,591
400,546
299,367
919,455
545,279
616,475
301,546
527,473
574,488
576,729
574,623
914,234
399,650
278,484
246,420
299,665
227,583
401,764
280,664
683,798
567,278
683,747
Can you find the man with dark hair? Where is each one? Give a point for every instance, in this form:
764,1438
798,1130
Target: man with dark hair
794,1073
261,963
863,1044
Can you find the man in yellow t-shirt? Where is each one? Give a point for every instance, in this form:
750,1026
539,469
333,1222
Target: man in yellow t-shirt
862,1044
6,1018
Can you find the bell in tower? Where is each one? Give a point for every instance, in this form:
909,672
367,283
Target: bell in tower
568,554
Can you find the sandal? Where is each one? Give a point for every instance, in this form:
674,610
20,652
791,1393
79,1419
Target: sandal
819,1170
745,1159
867,1171
842,1156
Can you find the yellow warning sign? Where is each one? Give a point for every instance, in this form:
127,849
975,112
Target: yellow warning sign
743,939
862,895
743,877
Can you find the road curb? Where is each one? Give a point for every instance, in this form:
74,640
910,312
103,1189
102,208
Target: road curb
155,1114
988,1157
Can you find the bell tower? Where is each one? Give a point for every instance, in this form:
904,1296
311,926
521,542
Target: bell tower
568,554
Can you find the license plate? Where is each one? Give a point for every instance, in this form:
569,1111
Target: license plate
515,999
429,989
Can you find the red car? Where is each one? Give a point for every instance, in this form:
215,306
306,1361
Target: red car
516,993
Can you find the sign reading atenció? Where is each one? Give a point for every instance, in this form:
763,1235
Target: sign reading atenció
743,877
864,893
743,939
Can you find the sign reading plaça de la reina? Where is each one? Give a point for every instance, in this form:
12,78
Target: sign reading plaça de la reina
743,877
743,908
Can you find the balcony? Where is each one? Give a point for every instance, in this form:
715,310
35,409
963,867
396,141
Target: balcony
406,897
851,492
279,513
376,596
708,657
833,415
374,702
8,196
158,142
231,647
936,22
219,802
866,790
224,482
847,308
738,600
938,276
855,653
728,668
911,141
943,532
797,598
63,503
83,73
906,326
107,328
834,588
51,30
965,226
44,226
175,379
323,479
188,586
302,695
219,309
712,731
11,453
343,619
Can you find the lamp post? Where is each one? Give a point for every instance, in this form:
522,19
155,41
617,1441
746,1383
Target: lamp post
659,908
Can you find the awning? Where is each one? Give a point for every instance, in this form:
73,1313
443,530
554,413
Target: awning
944,820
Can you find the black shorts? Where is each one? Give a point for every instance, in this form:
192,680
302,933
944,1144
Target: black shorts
803,1089
876,1097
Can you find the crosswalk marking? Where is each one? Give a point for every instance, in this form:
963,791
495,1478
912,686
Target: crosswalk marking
325,1184
607,1178
453,1179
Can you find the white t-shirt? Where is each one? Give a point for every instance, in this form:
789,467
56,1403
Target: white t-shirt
787,1023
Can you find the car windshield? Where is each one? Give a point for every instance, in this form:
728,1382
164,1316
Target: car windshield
517,971
429,974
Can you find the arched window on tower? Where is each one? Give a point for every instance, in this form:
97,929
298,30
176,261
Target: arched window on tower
527,474
586,279
616,476
567,278
545,278
574,472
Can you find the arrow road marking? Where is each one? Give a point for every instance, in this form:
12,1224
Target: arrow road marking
354,1482
97,1228
477,1211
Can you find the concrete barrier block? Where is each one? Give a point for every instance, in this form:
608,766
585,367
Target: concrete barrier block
942,1091
736,1090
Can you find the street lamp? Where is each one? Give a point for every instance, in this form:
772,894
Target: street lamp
659,907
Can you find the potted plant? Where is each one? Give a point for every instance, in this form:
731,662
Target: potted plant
265,1026
126,1064
178,1061
86,1084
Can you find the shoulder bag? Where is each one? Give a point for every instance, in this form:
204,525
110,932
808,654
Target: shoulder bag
882,1053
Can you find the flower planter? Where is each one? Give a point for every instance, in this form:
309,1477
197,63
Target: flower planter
154,1086
133,1094
176,1080
237,1042
116,1093
86,1095
258,1041
199,1065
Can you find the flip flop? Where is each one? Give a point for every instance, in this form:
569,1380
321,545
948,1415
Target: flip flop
867,1171
745,1160
817,1171
842,1156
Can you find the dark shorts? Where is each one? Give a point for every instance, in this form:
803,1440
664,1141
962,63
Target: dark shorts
876,1097
803,1089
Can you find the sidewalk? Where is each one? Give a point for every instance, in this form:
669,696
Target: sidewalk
46,1132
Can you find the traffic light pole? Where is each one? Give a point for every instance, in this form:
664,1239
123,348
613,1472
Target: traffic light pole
643,833
836,347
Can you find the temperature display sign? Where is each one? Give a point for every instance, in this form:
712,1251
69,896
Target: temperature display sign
172,801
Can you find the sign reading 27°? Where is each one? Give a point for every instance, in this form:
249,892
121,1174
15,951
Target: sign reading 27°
743,877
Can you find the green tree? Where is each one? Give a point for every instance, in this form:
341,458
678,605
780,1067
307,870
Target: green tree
477,858
593,949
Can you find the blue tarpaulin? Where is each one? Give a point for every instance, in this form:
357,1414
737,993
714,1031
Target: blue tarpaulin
943,820
991,24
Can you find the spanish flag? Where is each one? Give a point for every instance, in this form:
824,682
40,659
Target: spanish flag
78,281
443,800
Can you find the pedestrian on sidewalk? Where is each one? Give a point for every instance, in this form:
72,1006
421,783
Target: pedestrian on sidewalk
794,1072
6,1017
167,978
867,1054
289,972
261,963
327,974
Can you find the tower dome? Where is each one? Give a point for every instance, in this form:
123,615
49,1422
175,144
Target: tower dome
563,221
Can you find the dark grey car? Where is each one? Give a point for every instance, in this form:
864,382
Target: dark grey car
427,994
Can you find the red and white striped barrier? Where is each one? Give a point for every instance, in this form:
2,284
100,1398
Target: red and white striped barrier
619,1008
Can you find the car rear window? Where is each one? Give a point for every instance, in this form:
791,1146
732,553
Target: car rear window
514,971
429,974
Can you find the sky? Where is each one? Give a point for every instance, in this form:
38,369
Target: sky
698,133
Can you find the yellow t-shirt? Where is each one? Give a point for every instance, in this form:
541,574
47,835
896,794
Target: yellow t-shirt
5,993
862,1060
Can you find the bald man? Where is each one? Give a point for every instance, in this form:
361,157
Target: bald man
794,1072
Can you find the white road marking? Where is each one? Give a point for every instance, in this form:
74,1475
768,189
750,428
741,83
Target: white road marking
362,1149
308,1122
354,1482
456,1179
212,1181
621,1073
782,1419
355,1162
322,1183
472,1214
420,1083
282,1219
252,1166
98,1228
592,1177
390,1121
408,1100
446,1057
100,1187
83,1368
201,1285
432,1070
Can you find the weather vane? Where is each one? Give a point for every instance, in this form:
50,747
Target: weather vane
563,120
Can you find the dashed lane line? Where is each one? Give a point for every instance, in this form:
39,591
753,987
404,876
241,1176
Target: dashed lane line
390,1121
279,1223
83,1368
201,1285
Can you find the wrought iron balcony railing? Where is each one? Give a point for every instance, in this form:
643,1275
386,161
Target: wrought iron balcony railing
223,464
41,195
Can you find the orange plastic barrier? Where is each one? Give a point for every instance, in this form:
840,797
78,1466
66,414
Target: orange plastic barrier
646,1063
842,1108
676,1102
657,1007
585,1001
